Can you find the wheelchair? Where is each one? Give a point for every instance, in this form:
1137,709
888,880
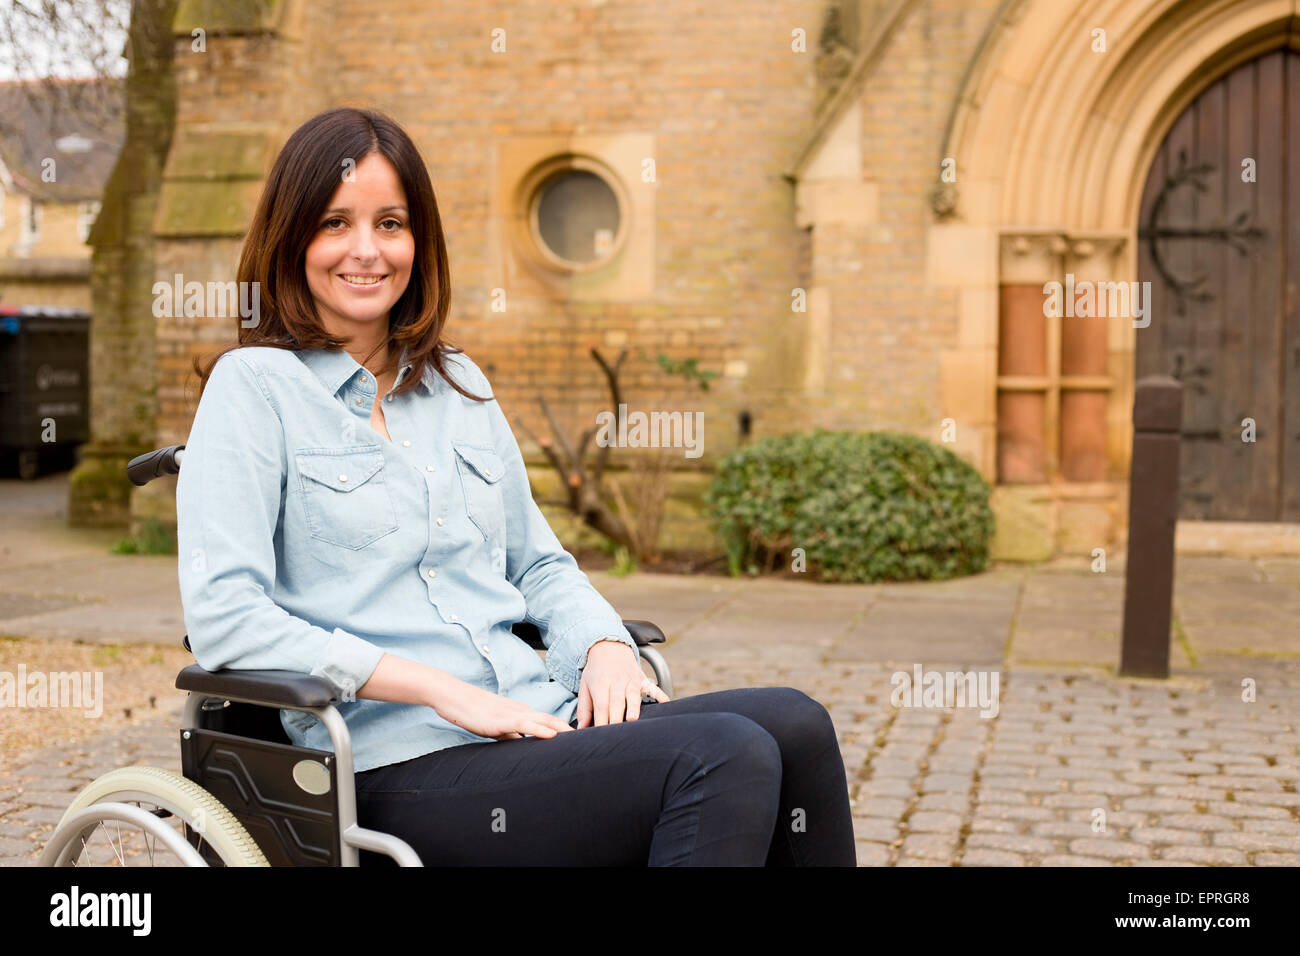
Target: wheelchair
246,795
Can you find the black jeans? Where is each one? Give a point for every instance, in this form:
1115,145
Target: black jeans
745,777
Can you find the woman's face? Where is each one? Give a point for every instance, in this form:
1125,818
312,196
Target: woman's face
359,263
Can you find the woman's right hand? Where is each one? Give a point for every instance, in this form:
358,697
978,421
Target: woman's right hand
490,715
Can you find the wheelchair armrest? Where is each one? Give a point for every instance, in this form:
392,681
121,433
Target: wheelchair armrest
273,688
643,632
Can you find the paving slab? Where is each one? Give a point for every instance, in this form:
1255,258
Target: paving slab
928,631
1072,591
1082,637
998,586
1242,639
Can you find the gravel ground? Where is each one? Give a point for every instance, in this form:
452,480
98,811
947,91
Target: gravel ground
136,680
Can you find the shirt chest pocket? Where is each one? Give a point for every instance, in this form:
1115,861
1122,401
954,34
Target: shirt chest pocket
345,499
481,469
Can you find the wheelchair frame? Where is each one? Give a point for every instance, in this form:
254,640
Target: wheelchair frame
297,804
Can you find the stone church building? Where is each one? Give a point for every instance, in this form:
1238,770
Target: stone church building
852,211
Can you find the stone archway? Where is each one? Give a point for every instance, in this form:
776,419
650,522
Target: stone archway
1053,135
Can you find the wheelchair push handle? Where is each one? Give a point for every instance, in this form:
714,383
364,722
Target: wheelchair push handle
163,461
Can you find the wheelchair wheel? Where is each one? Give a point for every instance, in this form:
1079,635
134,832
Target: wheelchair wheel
146,816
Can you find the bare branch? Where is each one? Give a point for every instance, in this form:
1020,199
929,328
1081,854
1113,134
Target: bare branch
548,450
572,464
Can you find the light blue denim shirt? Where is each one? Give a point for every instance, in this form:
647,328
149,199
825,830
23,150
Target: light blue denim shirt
308,542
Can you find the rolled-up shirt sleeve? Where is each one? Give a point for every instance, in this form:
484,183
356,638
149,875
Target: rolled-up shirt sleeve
228,506
570,613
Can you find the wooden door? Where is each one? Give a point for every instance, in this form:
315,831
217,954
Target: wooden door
1222,254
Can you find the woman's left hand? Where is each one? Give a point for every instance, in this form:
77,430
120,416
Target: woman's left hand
612,684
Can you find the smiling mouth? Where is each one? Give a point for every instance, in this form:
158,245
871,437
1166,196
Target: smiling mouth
360,281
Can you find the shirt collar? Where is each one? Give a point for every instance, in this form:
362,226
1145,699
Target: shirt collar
335,368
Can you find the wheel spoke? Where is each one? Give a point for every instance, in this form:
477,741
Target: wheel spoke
147,845
120,856
118,846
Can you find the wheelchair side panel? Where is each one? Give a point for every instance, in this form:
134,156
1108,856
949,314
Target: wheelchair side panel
285,796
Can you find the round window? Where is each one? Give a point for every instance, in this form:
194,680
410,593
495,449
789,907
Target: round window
577,216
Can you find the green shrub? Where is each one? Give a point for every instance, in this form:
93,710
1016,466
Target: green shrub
875,506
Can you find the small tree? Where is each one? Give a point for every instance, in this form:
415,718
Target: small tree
638,500
583,487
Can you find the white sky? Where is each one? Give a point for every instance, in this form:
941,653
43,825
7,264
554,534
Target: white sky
67,38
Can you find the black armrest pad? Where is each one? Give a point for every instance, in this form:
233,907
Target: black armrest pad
643,632
277,688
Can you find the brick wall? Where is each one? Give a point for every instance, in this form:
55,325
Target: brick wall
728,107
725,100
890,323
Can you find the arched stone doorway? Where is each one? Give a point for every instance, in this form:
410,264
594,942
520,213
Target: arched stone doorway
1218,235
1053,137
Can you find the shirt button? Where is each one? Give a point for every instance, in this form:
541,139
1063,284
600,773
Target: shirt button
343,477
432,573
361,401
440,522
455,618
484,648
388,398
406,444
428,467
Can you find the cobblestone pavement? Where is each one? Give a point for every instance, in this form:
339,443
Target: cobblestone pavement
1076,769
1079,767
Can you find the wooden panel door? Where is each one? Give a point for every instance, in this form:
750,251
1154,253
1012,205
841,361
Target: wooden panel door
1219,241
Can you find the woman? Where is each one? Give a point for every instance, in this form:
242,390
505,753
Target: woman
363,513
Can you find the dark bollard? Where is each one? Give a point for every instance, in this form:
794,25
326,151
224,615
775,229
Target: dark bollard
1153,511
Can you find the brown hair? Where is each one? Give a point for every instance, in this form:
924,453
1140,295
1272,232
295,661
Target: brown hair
297,192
